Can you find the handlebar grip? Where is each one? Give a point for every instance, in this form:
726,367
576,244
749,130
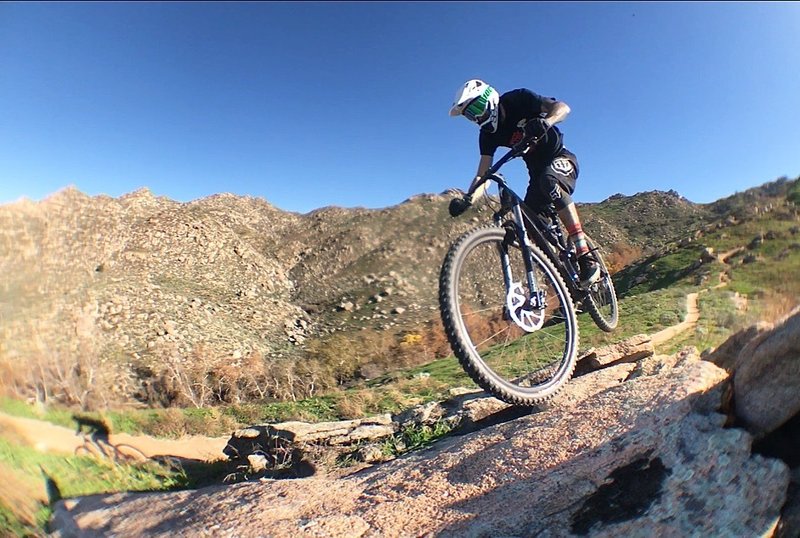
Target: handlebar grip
525,143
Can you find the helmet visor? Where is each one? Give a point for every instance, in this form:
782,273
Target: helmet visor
478,109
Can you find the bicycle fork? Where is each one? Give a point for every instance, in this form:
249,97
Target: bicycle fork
527,311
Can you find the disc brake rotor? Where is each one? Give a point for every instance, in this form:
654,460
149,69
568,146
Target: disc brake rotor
521,310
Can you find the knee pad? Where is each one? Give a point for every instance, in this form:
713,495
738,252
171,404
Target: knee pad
559,197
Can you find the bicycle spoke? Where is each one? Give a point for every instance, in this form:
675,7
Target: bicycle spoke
504,330
535,353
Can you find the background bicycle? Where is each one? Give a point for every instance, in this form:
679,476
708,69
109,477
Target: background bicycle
96,443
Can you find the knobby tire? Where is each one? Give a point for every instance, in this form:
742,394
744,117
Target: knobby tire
602,295
478,362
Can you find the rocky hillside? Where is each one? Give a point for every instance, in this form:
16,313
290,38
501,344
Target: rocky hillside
647,219
122,287
644,445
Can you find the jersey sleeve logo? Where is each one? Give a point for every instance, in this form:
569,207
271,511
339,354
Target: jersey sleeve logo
563,166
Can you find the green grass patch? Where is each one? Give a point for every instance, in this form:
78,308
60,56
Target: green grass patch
167,423
53,414
657,273
415,438
446,371
317,409
78,476
73,477
793,195
719,320
769,273
646,313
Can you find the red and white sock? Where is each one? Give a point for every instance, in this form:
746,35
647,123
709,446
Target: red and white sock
578,239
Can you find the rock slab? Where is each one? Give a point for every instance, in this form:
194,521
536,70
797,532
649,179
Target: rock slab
646,457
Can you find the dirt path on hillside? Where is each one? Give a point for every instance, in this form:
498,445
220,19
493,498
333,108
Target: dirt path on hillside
725,256
46,437
692,309
692,315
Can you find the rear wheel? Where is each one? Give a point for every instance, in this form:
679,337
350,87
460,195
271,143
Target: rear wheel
601,298
127,454
517,345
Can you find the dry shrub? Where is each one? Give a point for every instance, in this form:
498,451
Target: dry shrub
175,423
621,255
21,498
775,306
343,358
208,377
396,394
80,377
199,379
339,357
171,423
435,343
357,404
482,328
417,385
71,363
428,344
378,347
184,380
288,379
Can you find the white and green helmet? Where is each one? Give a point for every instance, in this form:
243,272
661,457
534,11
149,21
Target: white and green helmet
477,101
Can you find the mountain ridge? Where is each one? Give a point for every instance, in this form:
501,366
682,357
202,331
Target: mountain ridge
146,192
141,281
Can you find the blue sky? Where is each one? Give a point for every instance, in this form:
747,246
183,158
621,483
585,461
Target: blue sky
315,104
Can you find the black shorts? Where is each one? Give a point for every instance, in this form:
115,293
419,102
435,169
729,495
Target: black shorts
552,182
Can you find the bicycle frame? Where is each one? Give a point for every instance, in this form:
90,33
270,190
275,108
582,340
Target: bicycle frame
548,235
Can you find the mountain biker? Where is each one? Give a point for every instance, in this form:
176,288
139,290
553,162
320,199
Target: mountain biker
505,120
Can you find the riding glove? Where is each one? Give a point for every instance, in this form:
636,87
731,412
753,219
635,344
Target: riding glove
459,205
535,128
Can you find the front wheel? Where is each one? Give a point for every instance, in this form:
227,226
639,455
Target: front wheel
516,344
601,297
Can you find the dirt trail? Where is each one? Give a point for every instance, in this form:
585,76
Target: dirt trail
692,315
724,256
692,310
46,437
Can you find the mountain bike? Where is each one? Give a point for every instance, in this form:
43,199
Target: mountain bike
97,444
507,295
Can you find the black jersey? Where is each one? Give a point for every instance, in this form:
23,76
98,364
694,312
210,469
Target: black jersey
517,107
